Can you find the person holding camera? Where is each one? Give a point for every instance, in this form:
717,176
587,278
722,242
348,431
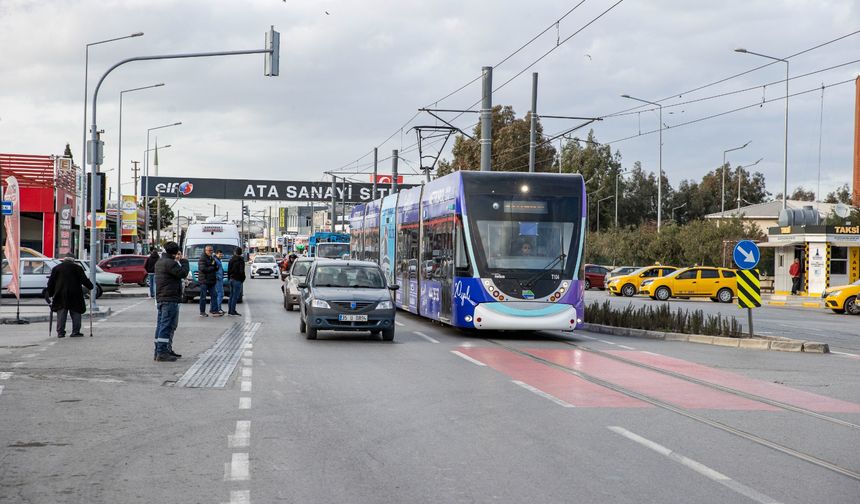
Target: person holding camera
170,269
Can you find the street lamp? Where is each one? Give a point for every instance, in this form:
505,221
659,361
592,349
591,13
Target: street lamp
83,209
682,205
660,176
740,174
723,190
146,172
598,210
785,152
119,167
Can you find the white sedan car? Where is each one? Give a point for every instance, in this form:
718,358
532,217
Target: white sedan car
264,266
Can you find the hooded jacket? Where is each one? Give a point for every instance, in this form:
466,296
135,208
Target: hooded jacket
168,278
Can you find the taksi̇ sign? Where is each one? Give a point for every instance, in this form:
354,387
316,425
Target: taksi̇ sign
272,190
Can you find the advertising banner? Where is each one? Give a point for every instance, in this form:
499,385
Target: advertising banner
101,220
271,190
65,241
818,267
129,215
12,247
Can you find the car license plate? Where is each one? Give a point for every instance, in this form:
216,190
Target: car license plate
352,318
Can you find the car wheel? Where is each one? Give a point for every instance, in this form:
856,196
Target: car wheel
587,284
99,291
311,333
375,332
715,300
838,311
252,276
663,293
302,326
852,306
388,334
288,306
725,295
628,290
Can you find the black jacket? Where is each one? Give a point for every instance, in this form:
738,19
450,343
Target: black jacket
168,279
206,268
236,268
149,265
65,287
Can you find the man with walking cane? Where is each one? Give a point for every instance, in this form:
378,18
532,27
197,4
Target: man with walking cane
66,292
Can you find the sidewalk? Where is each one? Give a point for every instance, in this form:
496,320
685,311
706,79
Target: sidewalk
782,298
37,310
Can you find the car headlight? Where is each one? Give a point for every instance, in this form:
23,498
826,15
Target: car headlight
319,303
647,282
384,305
831,294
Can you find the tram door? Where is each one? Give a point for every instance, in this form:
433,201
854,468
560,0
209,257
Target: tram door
446,272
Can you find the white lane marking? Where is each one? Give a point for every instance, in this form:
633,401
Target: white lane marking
248,353
240,497
428,338
626,347
5,375
244,403
607,342
17,364
650,353
400,324
846,354
464,356
247,362
246,386
584,336
246,372
240,467
52,343
241,438
42,349
29,355
1,389
696,466
543,394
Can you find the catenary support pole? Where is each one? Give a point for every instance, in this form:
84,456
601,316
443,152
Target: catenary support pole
487,119
394,158
333,203
533,128
375,161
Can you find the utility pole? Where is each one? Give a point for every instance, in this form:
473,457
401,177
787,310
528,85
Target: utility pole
375,160
136,177
533,132
343,205
333,202
487,119
394,158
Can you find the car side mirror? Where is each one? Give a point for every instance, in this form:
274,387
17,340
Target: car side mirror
393,287
303,285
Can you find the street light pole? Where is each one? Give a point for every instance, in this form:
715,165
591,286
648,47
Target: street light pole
785,148
82,213
660,162
598,210
146,173
119,168
723,190
740,174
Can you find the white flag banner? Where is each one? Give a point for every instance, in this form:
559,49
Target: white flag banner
12,247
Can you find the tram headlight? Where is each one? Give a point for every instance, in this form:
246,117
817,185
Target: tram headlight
524,188
467,318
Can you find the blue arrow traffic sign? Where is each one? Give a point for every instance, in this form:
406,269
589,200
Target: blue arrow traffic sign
746,254
7,208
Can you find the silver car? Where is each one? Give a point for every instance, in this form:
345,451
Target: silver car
297,274
35,272
340,295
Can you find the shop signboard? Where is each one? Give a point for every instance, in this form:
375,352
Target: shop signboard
65,240
129,215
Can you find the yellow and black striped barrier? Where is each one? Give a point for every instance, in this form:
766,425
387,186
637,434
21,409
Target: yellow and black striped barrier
749,289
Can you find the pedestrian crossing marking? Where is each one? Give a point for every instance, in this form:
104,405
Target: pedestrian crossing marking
749,289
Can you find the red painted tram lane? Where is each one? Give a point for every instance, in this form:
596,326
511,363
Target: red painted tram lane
772,391
565,386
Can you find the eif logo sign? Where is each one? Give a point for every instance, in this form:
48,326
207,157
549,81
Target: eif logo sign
181,188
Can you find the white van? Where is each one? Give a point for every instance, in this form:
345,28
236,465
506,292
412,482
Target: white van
222,236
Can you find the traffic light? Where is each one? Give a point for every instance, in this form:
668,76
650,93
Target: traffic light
273,43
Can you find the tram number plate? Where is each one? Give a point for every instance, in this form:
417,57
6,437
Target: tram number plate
352,318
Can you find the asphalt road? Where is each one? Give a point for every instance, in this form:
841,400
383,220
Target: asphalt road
842,332
437,416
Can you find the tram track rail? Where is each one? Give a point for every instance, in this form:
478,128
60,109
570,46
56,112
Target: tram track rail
787,450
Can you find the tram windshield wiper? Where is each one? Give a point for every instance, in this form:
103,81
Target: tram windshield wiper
549,267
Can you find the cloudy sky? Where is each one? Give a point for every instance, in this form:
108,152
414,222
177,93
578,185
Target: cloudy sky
354,72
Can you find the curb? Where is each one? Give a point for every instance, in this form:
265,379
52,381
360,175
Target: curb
45,318
111,295
773,343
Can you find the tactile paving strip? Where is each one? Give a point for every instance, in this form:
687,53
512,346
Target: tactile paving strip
214,367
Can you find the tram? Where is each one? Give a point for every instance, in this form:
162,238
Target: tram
482,250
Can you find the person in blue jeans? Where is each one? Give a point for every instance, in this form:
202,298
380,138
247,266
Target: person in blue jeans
215,305
206,269
149,266
170,269
236,276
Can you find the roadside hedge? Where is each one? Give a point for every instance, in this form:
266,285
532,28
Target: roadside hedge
663,318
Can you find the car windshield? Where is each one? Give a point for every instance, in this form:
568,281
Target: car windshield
675,273
264,259
348,276
332,250
193,252
301,268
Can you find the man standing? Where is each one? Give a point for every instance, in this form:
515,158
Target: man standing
169,272
236,275
149,266
206,278
215,305
794,272
65,289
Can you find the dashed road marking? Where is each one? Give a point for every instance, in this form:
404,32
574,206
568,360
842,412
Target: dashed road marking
240,497
586,337
241,437
428,338
626,347
607,342
17,364
239,468
695,466
1,389
247,362
543,394
29,355
5,375
246,385
244,403
247,372
399,324
464,356
248,353
845,354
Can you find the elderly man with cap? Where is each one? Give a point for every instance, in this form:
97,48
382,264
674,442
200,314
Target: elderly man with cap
66,291
170,269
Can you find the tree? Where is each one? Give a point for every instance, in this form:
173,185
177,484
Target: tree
599,168
510,146
706,197
842,194
799,194
166,214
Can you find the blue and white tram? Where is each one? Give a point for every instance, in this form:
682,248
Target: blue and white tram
484,250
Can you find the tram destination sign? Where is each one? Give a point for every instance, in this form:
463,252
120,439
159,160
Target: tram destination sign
272,190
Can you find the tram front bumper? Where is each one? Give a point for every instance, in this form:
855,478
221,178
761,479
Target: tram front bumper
519,316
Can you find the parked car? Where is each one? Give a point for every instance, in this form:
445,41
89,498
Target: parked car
105,281
594,276
718,284
129,266
297,274
843,298
346,295
35,272
264,265
628,285
618,271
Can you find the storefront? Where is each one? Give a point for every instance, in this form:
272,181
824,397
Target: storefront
829,255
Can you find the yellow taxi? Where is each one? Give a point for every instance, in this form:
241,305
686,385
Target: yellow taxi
843,298
628,285
718,284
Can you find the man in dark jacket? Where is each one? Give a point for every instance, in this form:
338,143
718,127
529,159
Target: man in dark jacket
169,272
149,266
236,275
206,269
65,289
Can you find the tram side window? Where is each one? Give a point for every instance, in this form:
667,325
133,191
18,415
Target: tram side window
407,251
462,256
438,249
371,244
